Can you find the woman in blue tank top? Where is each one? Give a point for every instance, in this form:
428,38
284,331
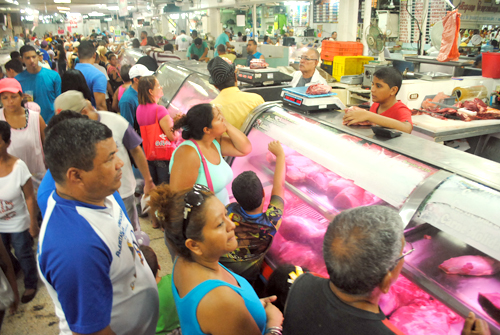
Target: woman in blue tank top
202,129
209,298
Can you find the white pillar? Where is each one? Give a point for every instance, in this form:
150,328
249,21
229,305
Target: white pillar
214,24
254,20
367,15
423,25
348,20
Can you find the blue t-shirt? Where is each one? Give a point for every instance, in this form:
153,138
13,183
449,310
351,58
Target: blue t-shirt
48,185
95,79
222,39
187,306
45,85
90,262
46,56
128,106
250,57
194,50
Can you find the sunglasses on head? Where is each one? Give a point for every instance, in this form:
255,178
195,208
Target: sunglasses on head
192,199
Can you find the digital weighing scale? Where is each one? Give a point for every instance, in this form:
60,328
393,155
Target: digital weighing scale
269,76
297,98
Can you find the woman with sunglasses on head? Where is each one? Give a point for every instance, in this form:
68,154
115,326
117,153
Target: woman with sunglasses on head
198,160
209,298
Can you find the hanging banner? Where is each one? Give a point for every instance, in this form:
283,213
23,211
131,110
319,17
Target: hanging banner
35,18
122,8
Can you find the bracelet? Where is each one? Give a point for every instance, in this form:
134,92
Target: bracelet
278,330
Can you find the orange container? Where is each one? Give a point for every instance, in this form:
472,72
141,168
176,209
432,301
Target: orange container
330,49
490,66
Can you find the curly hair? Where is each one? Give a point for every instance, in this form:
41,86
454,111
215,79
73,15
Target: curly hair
168,206
194,121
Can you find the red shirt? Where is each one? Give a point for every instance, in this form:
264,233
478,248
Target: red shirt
398,111
144,42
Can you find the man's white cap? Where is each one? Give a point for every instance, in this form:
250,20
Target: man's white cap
139,70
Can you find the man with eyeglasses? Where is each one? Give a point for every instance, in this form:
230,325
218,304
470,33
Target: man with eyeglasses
307,74
364,250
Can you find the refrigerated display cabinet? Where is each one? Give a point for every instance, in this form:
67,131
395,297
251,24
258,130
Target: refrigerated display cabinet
449,200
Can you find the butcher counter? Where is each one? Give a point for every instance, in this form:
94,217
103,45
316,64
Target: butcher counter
448,199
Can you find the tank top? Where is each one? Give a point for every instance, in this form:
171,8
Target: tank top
121,90
187,306
26,145
221,174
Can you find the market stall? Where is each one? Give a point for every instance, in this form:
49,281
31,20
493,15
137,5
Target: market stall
332,167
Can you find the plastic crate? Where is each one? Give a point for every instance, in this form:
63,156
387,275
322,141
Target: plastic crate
349,65
327,68
330,49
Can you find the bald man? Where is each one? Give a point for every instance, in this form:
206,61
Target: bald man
307,74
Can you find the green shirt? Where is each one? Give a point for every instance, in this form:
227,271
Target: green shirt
168,320
194,50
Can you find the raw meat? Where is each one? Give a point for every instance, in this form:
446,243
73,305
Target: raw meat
480,102
298,161
318,89
491,304
318,180
449,40
471,266
293,175
470,105
370,199
296,228
332,176
349,197
311,170
335,187
257,63
402,293
424,317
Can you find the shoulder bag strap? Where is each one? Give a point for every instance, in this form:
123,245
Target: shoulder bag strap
205,167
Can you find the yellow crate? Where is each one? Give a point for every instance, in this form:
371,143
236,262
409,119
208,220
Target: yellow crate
349,65
326,62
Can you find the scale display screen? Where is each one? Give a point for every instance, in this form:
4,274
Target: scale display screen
294,100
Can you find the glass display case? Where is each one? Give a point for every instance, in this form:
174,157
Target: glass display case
184,85
447,199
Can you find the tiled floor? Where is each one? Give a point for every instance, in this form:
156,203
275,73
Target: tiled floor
38,317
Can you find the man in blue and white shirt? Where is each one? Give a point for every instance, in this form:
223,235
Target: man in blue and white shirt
88,256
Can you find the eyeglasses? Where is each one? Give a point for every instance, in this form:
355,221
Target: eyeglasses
412,249
193,198
307,58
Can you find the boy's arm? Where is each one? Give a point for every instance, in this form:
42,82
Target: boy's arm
361,115
279,171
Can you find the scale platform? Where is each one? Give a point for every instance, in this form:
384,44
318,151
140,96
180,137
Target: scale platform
269,76
296,97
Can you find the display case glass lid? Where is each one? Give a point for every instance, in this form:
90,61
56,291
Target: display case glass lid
388,175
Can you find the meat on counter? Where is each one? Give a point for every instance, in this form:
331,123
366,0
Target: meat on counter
318,89
471,266
491,304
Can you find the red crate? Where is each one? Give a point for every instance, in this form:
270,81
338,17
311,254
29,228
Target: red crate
330,49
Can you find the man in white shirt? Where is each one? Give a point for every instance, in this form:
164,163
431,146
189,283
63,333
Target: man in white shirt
307,74
182,42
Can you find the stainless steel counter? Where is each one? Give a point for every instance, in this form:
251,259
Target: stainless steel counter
455,134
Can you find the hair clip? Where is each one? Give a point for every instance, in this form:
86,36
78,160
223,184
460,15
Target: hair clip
294,274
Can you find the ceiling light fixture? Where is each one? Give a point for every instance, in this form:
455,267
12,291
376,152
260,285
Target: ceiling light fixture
108,19
94,13
64,8
62,1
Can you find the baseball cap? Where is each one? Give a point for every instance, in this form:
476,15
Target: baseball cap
227,30
139,70
76,44
70,100
44,44
10,85
220,71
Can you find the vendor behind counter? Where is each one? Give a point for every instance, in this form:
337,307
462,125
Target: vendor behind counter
234,104
307,74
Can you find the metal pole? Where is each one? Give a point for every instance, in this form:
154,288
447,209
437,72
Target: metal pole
254,20
423,26
367,15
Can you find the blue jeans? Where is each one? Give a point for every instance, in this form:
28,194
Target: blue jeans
159,171
25,258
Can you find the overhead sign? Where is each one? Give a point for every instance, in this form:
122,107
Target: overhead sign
485,12
122,8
